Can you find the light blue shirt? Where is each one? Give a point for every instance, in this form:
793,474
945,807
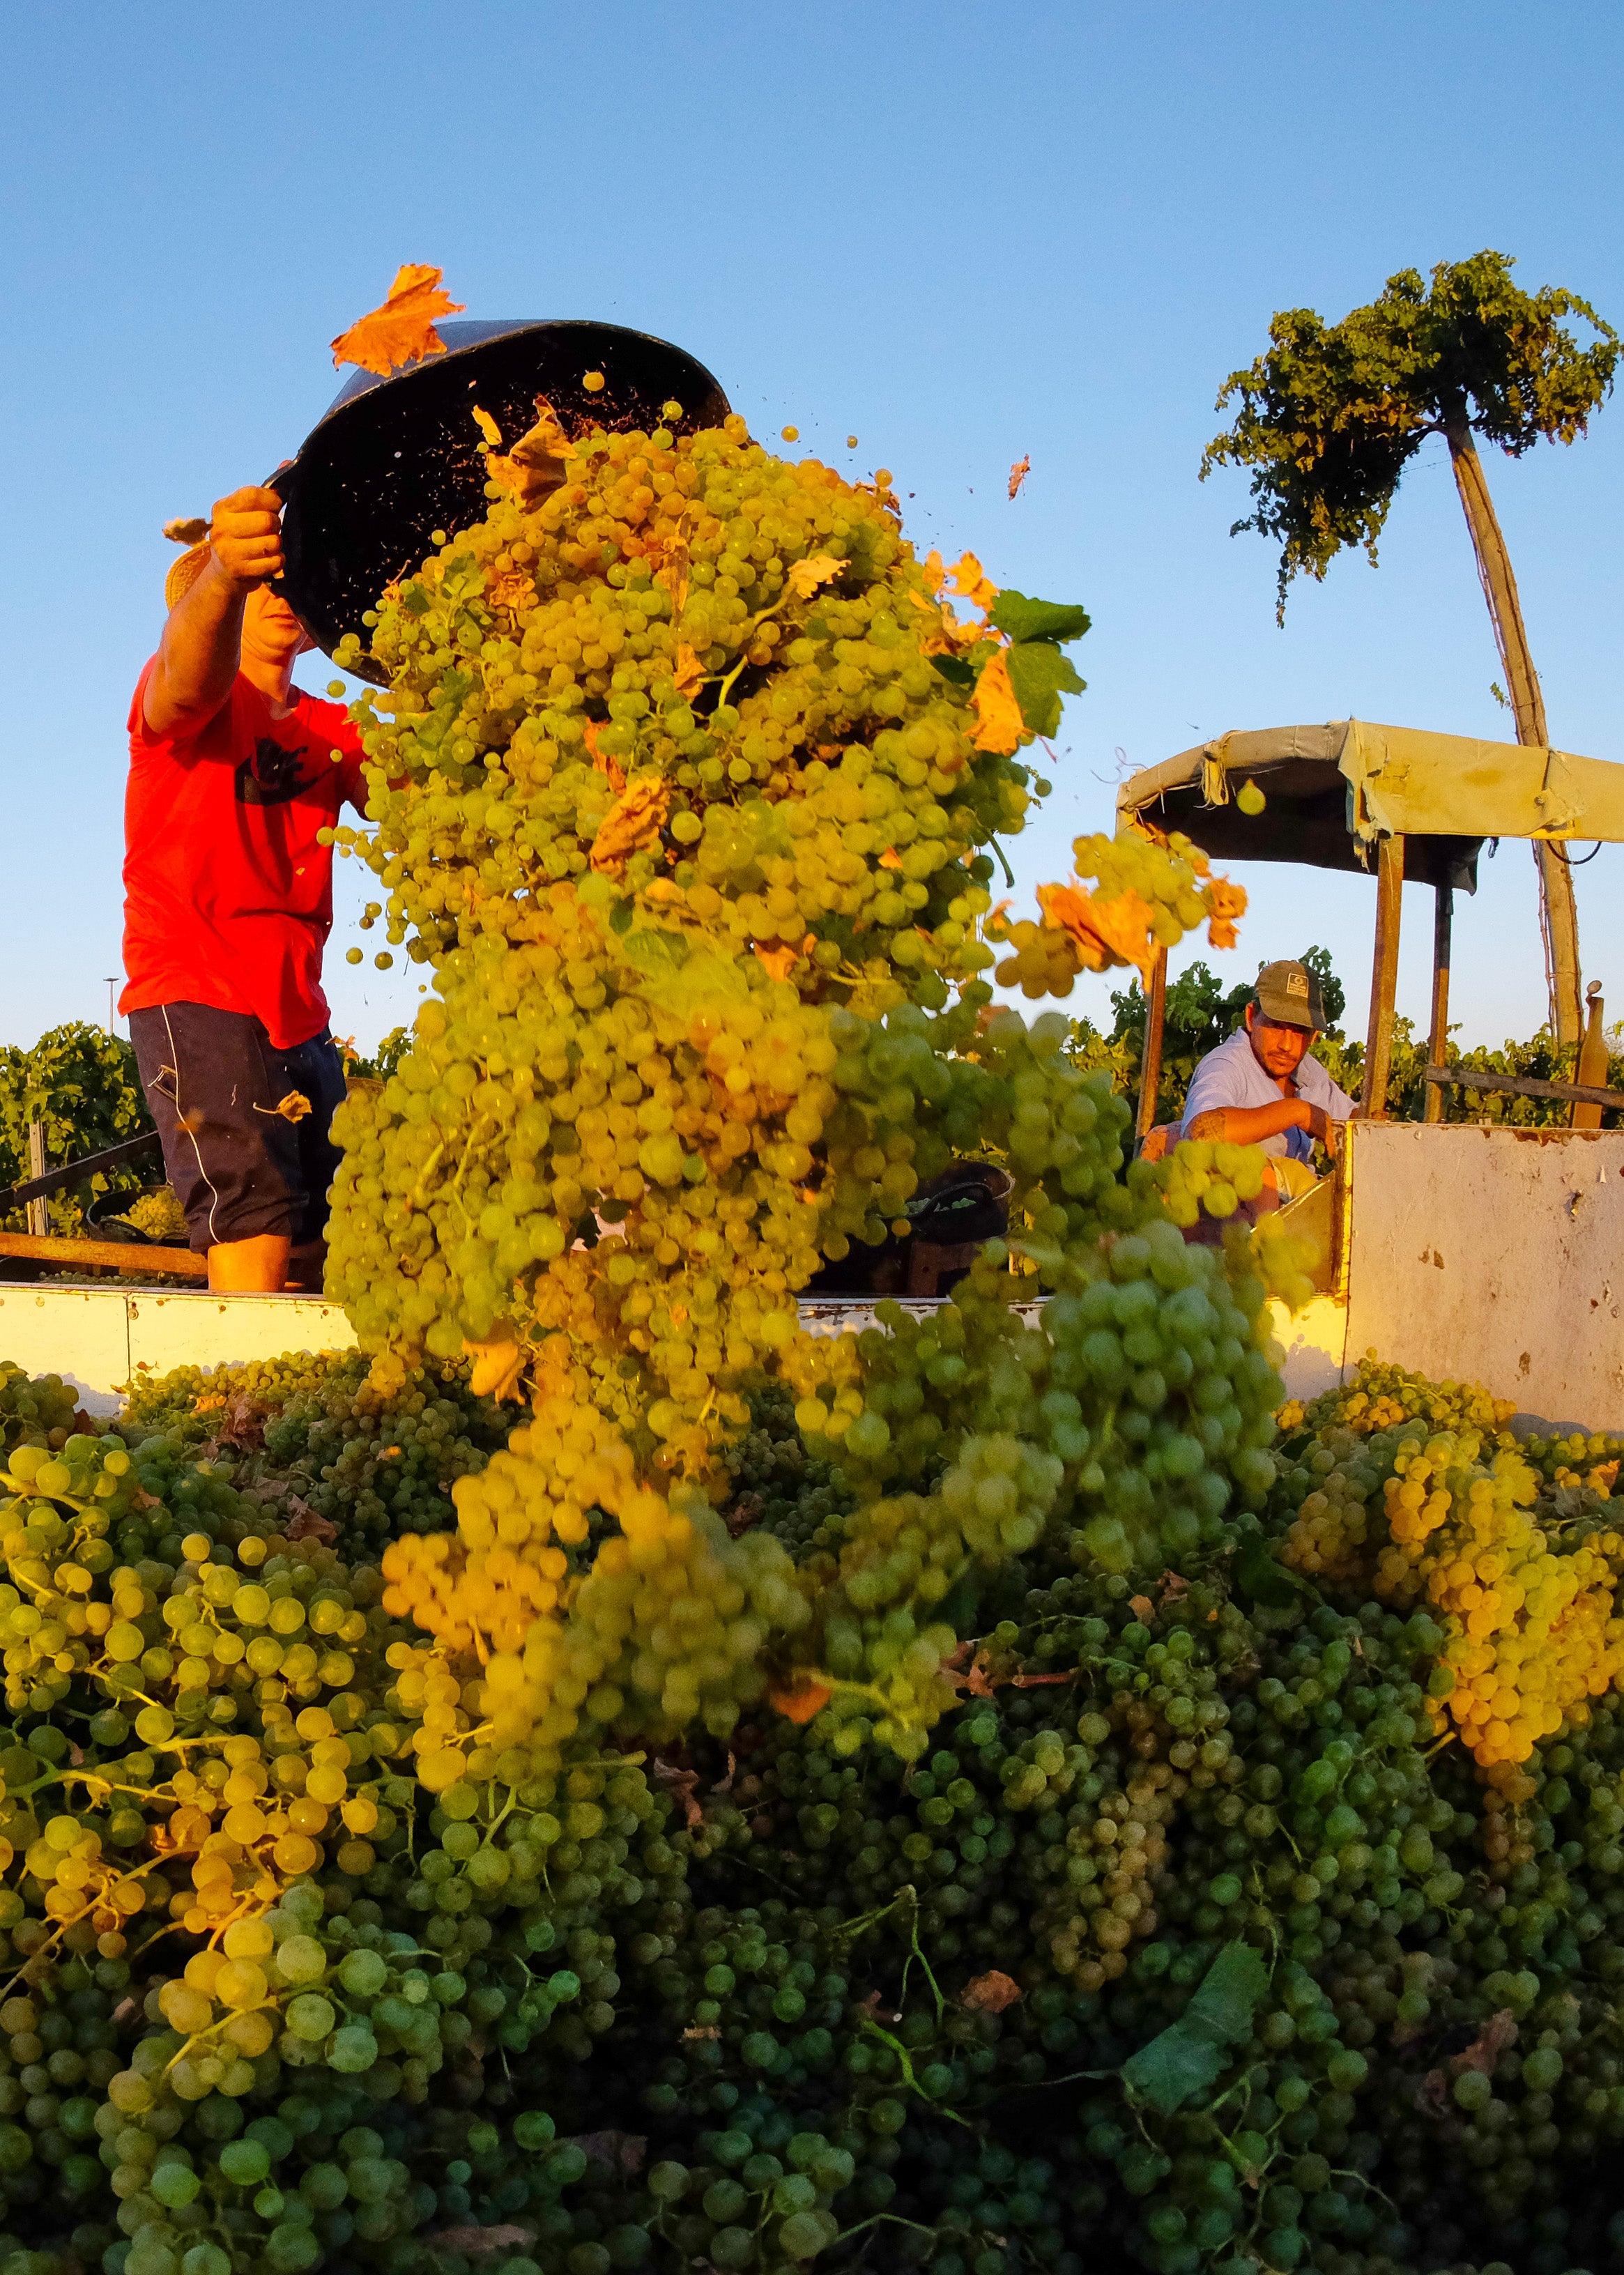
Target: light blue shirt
1231,1076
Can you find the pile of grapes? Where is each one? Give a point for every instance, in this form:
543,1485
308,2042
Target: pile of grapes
967,1794
1195,1940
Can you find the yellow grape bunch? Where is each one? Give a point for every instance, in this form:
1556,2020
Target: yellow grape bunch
1380,1395
1439,1522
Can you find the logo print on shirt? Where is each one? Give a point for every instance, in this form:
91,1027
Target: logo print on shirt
273,775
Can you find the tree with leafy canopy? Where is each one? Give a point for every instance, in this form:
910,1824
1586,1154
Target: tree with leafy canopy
83,1085
1332,414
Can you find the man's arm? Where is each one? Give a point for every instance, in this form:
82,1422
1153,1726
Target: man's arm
201,648
1246,1125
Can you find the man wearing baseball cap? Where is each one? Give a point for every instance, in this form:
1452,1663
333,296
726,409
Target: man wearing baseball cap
235,780
1263,1087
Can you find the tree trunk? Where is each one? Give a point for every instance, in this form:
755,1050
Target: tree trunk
1558,918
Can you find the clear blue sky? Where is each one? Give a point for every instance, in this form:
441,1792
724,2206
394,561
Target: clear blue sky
966,233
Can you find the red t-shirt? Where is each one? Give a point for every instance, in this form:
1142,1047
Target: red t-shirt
227,896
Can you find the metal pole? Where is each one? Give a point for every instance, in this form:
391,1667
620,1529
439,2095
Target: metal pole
112,999
1150,1058
39,1212
1437,1047
1384,978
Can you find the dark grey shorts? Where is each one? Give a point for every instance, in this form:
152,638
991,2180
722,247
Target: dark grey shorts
239,1166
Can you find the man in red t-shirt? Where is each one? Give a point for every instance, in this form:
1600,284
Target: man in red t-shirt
228,901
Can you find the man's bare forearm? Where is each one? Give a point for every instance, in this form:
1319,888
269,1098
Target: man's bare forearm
1244,1125
198,656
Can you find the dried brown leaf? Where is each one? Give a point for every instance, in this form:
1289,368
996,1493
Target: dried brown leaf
999,723
1018,474
498,1367
971,579
991,1993
1498,2034
680,1783
308,1524
803,576
633,823
402,331
537,464
802,1702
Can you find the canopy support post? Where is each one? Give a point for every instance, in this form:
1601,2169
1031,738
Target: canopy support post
1592,1059
1384,978
1150,1059
1437,1047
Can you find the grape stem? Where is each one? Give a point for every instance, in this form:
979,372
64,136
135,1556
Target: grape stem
198,2036
418,1196
909,2079
895,2218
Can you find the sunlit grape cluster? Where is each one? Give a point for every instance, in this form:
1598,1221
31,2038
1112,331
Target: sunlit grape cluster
1530,1624
1149,891
1203,1177
671,1623
1042,958
34,1411
1380,1396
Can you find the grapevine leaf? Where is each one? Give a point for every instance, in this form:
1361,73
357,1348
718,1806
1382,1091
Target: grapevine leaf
656,953
1228,1992
1000,724
1173,2068
1025,619
1039,675
402,331
1186,2057
971,579
804,577
955,668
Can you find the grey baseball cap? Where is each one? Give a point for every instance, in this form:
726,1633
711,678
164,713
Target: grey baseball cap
1289,994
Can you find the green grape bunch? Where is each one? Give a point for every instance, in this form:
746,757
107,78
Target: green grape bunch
34,1411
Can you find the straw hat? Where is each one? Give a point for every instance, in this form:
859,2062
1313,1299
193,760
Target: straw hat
185,572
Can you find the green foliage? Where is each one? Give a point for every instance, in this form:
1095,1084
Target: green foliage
83,1085
1332,414
1025,619
382,1062
1185,2057
1039,673
1541,1059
